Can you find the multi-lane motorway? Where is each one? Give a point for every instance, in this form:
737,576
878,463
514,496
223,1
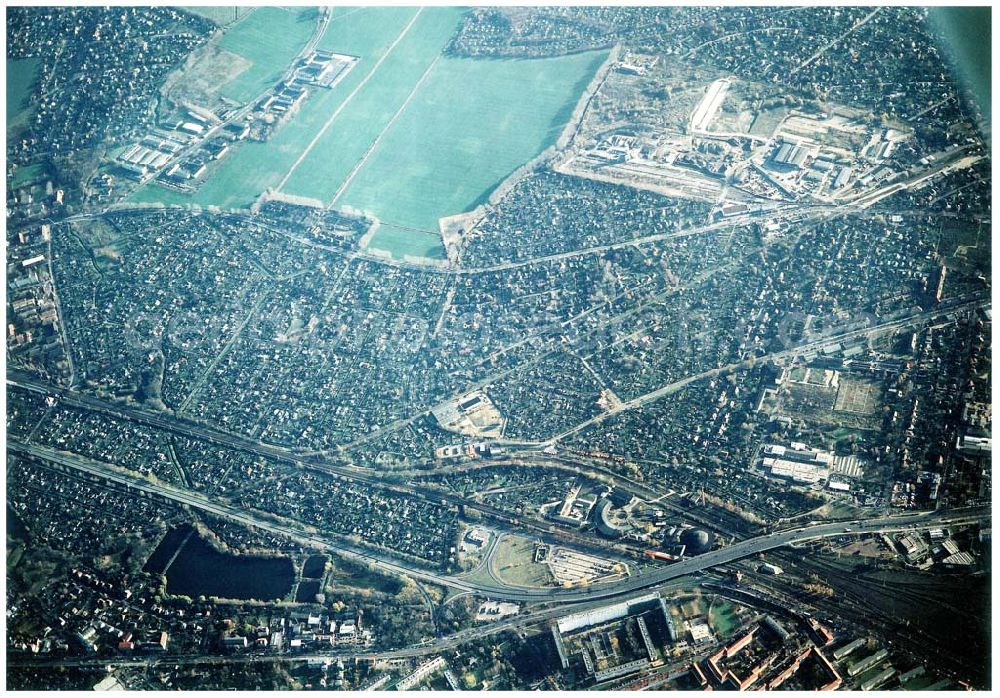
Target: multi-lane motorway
196,430
493,588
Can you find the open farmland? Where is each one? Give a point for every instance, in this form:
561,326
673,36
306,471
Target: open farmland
391,138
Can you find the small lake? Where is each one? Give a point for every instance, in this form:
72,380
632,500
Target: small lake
314,566
16,527
307,591
200,570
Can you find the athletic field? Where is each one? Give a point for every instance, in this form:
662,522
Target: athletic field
408,135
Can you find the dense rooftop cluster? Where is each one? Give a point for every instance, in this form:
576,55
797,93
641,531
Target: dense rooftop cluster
160,276
422,530
412,445
99,437
547,397
70,515
768,232
405,526
760,44
99,73
575,215
24,414
547,31
756,43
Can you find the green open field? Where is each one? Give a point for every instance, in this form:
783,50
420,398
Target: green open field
346,573
445,153
370,110
270,37
21,74
408,135
514,563
254,167
767,120
965,245
28,174
401,242
723,618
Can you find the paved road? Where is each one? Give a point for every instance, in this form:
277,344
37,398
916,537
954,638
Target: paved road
955,159
367,476
435,646
791,212
493,589
301,534
197,430
798,350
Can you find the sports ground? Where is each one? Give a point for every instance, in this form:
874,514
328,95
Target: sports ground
408,135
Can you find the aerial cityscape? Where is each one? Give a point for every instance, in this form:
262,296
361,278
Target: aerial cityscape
498,348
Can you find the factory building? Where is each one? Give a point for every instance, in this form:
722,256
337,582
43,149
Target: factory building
791,154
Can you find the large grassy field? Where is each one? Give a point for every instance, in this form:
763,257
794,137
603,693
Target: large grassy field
21,74
270,37
408,135
254,167
361,120
402,242
472,123
28,174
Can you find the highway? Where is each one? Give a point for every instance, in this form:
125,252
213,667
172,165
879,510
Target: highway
196,430
790,211
493,589
429,647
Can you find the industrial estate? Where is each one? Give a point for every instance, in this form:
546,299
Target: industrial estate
605,348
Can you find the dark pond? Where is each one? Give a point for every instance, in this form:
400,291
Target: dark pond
307,592
314,566
157,562
201,570
15,527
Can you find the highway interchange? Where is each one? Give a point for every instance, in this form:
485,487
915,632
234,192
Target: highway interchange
554,602
546,602
492,588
